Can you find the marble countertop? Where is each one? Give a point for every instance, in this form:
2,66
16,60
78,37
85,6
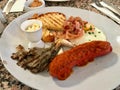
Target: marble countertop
7,81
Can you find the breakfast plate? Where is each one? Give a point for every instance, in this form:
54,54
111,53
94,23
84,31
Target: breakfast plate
102,74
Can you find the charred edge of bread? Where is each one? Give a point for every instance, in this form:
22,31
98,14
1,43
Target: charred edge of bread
35,16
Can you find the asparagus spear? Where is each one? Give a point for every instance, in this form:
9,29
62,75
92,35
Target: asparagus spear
36,59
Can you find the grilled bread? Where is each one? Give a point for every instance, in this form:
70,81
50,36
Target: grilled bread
51,20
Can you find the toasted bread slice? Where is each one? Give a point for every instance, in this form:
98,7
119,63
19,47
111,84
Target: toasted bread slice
52,20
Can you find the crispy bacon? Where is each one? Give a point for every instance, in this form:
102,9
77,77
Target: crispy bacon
73,28
61,66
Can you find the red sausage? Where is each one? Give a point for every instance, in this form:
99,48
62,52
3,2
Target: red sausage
61,66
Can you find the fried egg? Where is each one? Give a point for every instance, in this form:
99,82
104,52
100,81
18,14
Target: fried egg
88,36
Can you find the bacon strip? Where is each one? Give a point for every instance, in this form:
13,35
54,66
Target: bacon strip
61,66
73,28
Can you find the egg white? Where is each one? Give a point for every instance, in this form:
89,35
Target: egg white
90,36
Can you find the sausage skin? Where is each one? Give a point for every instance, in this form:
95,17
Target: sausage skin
61,66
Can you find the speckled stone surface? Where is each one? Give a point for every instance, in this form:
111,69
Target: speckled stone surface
7,81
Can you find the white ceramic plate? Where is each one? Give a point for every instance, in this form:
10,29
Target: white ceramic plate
102,74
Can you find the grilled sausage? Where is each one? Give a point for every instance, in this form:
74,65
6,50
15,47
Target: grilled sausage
61,66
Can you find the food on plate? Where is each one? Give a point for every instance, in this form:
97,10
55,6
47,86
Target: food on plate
73,28
83,40
47,36
35,3
90,35
66,43
33,27
35,59
77,31
61,66
76,28
51,20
